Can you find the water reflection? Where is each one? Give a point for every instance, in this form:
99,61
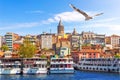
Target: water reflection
78,75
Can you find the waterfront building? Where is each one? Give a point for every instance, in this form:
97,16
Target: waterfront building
46,41
113,40
92,38
64,51
9,40
85,53
31,38
15,37
99,39
47,53
88,37
76,41
54,41
0,41
7,54
63,42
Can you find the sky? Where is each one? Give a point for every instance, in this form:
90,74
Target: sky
37,16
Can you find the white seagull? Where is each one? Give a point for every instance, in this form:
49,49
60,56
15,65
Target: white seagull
87,17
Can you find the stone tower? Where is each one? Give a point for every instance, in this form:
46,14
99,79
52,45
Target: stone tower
60,28
74,32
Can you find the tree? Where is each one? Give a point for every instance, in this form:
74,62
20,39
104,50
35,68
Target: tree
117,55
4,48
27,49
43,56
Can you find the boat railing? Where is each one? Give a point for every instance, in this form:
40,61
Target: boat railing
9,68
62,62
40,62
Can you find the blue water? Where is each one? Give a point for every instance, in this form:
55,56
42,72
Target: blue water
78,75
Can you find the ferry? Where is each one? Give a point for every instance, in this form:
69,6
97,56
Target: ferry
10,65
61,65
99,64
34,66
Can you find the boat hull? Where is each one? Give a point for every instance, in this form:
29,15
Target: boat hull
100,65
61,71
10,71
35,71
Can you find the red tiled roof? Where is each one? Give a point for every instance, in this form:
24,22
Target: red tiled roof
89,50
16,46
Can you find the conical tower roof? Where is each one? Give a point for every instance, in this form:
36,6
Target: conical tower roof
74,31
60,27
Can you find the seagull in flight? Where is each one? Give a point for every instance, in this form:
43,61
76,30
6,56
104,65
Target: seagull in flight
87,17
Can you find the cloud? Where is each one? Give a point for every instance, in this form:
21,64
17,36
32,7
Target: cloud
106,20
72,16
67,17
108,24
112,27
20,25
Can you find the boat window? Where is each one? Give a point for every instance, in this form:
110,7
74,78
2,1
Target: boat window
42,66
97,68
57,65
87,68
105,69
61,65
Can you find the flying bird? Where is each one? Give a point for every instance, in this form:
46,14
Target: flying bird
87,17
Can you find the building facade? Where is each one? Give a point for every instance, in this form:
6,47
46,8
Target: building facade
9,40
85,53
92,38
0,41
113,40
76,41
64,51
31,38
46,41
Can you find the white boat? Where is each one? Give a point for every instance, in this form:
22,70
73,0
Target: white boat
34,66
61,65
99,64
10,66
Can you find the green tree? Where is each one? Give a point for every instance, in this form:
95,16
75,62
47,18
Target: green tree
4,48
117,55
27,49
43,56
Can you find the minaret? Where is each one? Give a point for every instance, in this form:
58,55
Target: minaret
60,28
74,32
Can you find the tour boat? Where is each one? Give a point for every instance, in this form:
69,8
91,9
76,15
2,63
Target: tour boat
34,66
99,64
61,65
10,65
